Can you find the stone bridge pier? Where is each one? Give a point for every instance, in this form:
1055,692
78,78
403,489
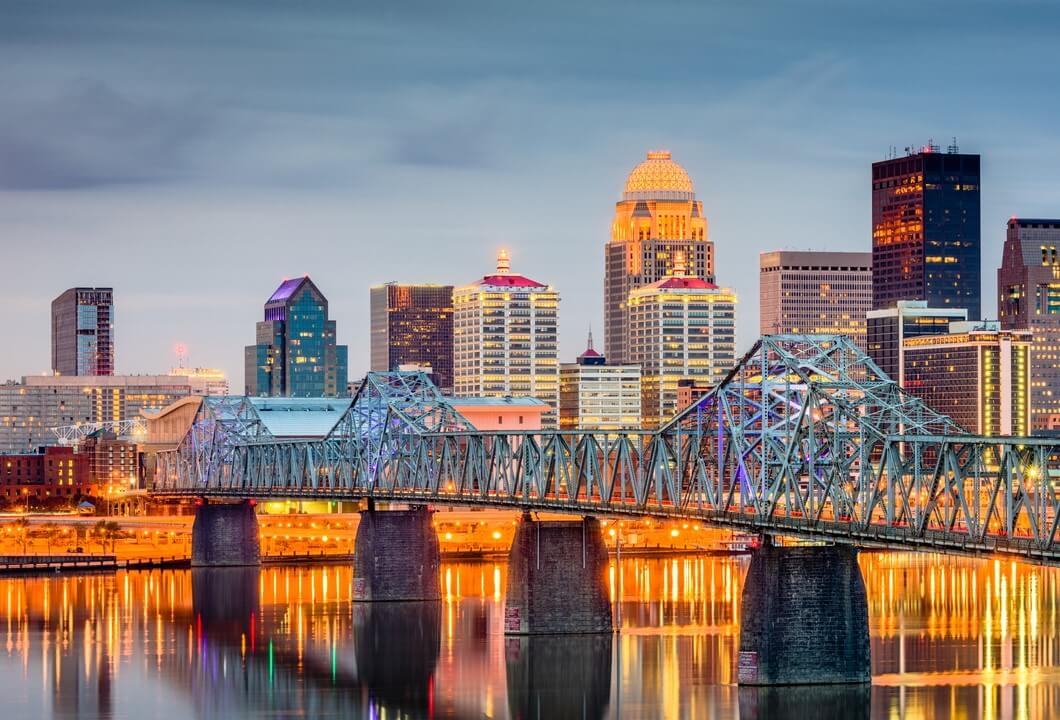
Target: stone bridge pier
225,535
396,556
557,579
804,617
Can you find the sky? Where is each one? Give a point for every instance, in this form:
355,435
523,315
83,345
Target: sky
192,155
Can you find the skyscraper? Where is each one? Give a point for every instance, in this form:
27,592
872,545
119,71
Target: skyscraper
413,325
505,338
887,331
925,230
657,218
815,293
679,327
596,396
1028,298
83,332
296,354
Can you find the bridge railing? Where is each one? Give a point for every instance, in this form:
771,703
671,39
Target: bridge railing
907,489
804,434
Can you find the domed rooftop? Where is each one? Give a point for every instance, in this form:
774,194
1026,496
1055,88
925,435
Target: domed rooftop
659,178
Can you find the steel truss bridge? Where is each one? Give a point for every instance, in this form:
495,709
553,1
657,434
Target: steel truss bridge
806,436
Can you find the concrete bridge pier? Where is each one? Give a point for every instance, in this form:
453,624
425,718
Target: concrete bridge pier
225,535
396,556
557,579
804,617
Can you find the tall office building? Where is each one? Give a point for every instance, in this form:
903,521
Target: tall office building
925,230
815,293
976,373
413,325
596,396
505,339
83,332
657,219
679,327
296,354
887,330
1028,298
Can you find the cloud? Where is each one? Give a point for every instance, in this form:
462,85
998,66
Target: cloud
89,134
441,145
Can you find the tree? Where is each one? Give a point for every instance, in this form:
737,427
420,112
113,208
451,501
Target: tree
48,530
21,526
104,531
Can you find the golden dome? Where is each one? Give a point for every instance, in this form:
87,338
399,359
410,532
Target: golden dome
659,178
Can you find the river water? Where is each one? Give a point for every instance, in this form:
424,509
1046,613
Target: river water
951,638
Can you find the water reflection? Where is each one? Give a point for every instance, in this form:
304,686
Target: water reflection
836,702
562,676
395,645
972,638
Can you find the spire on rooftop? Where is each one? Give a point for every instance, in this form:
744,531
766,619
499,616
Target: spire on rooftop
590,356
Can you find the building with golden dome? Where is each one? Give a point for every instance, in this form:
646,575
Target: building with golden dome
657,219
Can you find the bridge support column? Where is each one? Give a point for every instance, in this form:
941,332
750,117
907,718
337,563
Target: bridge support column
224,535
557,579
396,556
804,618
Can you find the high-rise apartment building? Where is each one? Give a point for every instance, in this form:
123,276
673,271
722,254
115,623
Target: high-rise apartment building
925,230
413,325
887,330
815,293
83,332
657,219
505,339
296,354
1028,298
680,327
976,373
596,396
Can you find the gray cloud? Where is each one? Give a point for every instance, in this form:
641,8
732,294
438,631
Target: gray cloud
205,149
89,134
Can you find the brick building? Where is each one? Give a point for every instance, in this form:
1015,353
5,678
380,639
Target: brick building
51,472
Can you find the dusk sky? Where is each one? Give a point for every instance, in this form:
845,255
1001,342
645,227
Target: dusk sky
192,155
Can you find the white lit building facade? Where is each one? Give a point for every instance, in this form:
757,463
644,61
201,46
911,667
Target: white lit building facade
680,327
596,396
505,339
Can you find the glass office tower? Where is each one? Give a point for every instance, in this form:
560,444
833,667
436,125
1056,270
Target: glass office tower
83,332
295,354
413,325
925,230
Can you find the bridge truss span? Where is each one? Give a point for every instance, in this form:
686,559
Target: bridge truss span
805,436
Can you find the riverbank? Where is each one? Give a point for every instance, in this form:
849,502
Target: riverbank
53,564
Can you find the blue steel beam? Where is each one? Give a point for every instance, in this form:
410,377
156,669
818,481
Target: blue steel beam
805,436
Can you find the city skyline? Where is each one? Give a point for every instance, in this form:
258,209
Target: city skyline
191,215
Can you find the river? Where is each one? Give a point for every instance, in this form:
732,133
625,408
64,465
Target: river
951,638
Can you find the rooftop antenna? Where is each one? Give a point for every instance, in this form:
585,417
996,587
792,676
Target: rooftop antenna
953,149
182,354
